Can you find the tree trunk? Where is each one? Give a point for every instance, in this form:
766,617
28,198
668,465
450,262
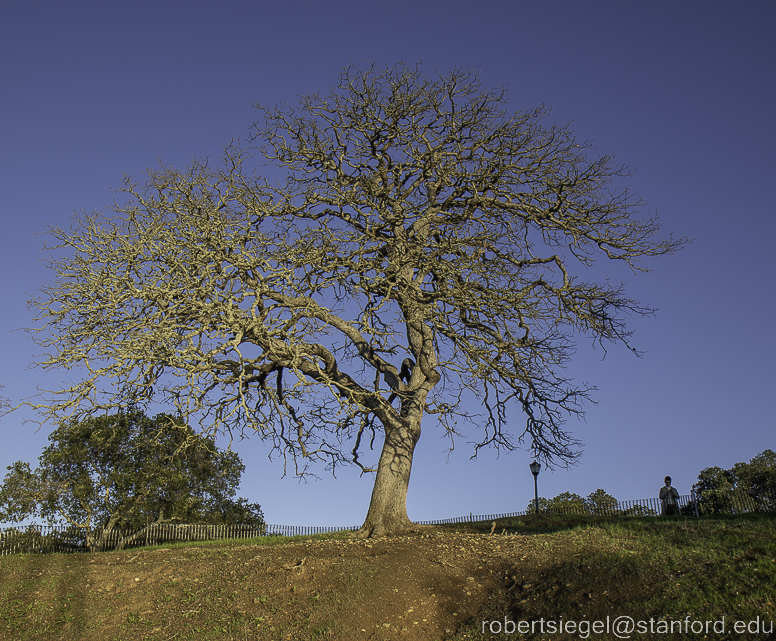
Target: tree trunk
126,540
95,543
388,507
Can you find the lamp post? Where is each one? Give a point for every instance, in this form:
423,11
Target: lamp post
535,467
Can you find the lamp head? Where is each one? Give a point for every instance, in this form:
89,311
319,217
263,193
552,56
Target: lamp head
535,467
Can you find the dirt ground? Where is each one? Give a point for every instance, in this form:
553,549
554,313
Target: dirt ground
435,585
414,587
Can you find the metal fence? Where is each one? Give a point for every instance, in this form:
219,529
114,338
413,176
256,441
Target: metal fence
50,538
736,502
472,518
641,507
689,505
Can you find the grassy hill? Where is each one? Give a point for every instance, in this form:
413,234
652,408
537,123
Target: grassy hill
442,583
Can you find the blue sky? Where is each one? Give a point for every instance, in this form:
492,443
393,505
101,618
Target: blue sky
683,93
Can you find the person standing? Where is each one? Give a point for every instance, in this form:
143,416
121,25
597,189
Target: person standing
669,498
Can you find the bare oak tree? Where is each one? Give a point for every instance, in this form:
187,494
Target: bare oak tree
416,259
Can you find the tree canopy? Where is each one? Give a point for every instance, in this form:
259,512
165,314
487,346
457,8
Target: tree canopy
126,471
742,487
758,476
598,502
417,260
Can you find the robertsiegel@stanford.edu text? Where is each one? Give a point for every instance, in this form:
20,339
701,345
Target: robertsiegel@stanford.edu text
625,627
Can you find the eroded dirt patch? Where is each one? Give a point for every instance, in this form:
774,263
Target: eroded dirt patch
406,587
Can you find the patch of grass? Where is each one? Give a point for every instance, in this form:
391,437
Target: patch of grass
531,524
648,569
227,543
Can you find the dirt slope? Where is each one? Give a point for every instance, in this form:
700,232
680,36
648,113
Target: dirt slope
408,587
432,586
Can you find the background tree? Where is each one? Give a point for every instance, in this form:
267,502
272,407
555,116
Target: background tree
544,504
564,503
744,486
758,476
419,257
598,502
714,489
126,471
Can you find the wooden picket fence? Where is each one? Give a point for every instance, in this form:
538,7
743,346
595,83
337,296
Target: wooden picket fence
304,530
52,538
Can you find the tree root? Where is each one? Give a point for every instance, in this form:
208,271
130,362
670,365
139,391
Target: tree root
372,531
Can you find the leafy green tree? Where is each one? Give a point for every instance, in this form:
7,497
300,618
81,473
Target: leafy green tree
564,503
599,502
745,486
426,246
758,476
126,472
714,489
567,503
543,505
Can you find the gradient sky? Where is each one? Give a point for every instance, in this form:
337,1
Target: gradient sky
683,93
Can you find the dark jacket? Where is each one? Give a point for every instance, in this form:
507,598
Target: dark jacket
669,498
